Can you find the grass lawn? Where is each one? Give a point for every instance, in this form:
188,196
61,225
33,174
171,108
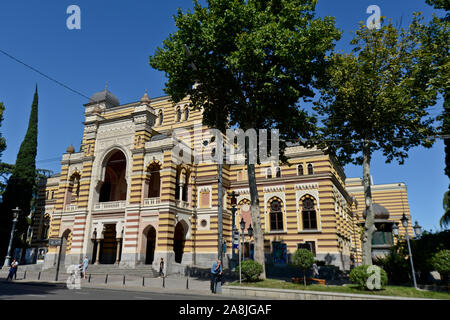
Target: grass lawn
396,291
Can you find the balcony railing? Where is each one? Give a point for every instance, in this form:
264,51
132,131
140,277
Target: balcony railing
110,205
182,204
71,208
150,202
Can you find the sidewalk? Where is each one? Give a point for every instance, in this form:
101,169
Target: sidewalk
170,284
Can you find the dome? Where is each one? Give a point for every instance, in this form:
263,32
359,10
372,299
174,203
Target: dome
70,149
105,96
380,212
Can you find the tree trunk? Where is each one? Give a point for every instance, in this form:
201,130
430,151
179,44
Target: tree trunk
304,277
258,233
369,226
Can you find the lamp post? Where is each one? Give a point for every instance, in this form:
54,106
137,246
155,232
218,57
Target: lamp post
417,232
250,234
16,213
233,196
242,225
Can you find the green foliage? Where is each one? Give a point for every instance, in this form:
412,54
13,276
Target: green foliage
303,258
360,276
21,184
439,4
396,264
441,263
249,61
250,270
379,93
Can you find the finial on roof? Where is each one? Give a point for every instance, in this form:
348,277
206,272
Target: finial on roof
145,98
70,149
106,86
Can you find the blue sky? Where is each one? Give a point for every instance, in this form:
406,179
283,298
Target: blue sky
114,44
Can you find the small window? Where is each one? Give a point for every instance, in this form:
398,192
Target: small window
179,113
310,169
300,170
278,172
53,195
309,216
186,113
204,223
269,173
276,216
161,117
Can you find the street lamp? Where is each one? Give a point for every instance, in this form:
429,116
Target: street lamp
233,196
16,213
417,231
242,225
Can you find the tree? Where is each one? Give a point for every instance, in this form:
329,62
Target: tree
304,259
437,40
441,263
376,98
248,65
19,190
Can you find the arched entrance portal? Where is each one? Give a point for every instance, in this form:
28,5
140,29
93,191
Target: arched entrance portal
150,238
66,245
114,187
108,248
179,239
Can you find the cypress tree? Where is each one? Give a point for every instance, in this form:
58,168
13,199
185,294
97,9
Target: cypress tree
19,190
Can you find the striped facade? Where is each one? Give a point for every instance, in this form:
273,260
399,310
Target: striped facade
133,195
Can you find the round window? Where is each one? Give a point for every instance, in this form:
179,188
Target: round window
204,223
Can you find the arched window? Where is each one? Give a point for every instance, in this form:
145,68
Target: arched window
269,173
276,216
161,117
309,216
278,172
179,113
300,170
186,113
310,169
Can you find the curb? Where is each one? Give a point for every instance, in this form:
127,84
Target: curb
287,294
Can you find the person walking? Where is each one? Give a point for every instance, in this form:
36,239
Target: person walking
85,266
161,268
216,272
13,270
315,271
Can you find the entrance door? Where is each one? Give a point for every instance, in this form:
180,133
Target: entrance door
178,242
109,245
151,244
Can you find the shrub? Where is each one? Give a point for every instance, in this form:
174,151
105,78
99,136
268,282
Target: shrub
250,270
364,277
441,263
304,259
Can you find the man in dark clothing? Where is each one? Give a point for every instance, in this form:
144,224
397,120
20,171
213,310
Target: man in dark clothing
216,272
161,268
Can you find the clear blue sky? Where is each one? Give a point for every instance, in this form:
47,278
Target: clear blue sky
114,43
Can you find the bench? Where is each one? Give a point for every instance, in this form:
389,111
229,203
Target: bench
314,280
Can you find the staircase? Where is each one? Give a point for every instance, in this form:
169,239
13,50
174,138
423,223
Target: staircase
139,271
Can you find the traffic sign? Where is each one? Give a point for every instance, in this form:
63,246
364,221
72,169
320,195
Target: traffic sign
54,242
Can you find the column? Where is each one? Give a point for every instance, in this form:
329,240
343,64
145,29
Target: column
118,251
97,254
